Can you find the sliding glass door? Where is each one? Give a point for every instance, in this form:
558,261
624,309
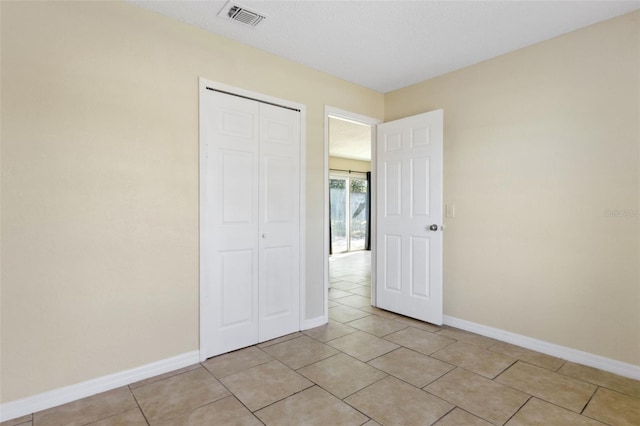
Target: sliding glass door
349,213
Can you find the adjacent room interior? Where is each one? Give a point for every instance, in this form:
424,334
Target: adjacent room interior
350,208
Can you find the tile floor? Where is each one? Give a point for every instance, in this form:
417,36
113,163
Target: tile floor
366,367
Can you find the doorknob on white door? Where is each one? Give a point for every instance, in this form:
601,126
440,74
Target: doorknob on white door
264,235
433,227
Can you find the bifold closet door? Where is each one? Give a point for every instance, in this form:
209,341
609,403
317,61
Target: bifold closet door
251,222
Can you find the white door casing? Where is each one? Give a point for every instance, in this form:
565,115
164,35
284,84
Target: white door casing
250,222
409,202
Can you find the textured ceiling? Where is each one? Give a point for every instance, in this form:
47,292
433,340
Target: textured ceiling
349,140
386,45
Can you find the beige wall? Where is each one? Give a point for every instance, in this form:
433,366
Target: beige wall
349,164
100,183
539,145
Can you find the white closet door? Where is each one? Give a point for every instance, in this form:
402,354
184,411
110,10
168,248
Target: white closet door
230,128
279,299
251,222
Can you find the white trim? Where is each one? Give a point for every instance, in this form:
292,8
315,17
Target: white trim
313,322
359,119
202,87
303,216
42,401
374,214
202,152
326,283
349,116
569,354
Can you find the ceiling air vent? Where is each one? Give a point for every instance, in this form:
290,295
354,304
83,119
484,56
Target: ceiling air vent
241,14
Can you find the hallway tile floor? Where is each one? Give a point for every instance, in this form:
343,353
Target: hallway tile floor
365,367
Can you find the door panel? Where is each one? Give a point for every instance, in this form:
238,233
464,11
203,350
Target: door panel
237,172
236,279
392,265
279,240
392,184
278,281
230,227
418,268
237,123
278,192
409,259
419,187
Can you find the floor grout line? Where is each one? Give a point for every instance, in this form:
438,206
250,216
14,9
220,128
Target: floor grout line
139,406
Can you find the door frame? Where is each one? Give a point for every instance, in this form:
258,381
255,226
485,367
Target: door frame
330,111
204,312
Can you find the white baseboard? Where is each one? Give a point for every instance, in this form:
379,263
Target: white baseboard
569,354
32,404
313,322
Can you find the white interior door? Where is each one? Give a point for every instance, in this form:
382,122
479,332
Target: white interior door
279,221
409,216
250,222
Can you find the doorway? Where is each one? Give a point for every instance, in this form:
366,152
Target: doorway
349,195
407,217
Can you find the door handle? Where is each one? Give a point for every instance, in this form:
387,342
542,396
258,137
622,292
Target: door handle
433,227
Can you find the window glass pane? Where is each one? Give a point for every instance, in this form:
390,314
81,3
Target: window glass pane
338,198
358,213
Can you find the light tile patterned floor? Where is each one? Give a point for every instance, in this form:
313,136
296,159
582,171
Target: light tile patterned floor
366,367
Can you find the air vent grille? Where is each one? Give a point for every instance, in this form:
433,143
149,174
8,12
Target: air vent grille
245,16
241,14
